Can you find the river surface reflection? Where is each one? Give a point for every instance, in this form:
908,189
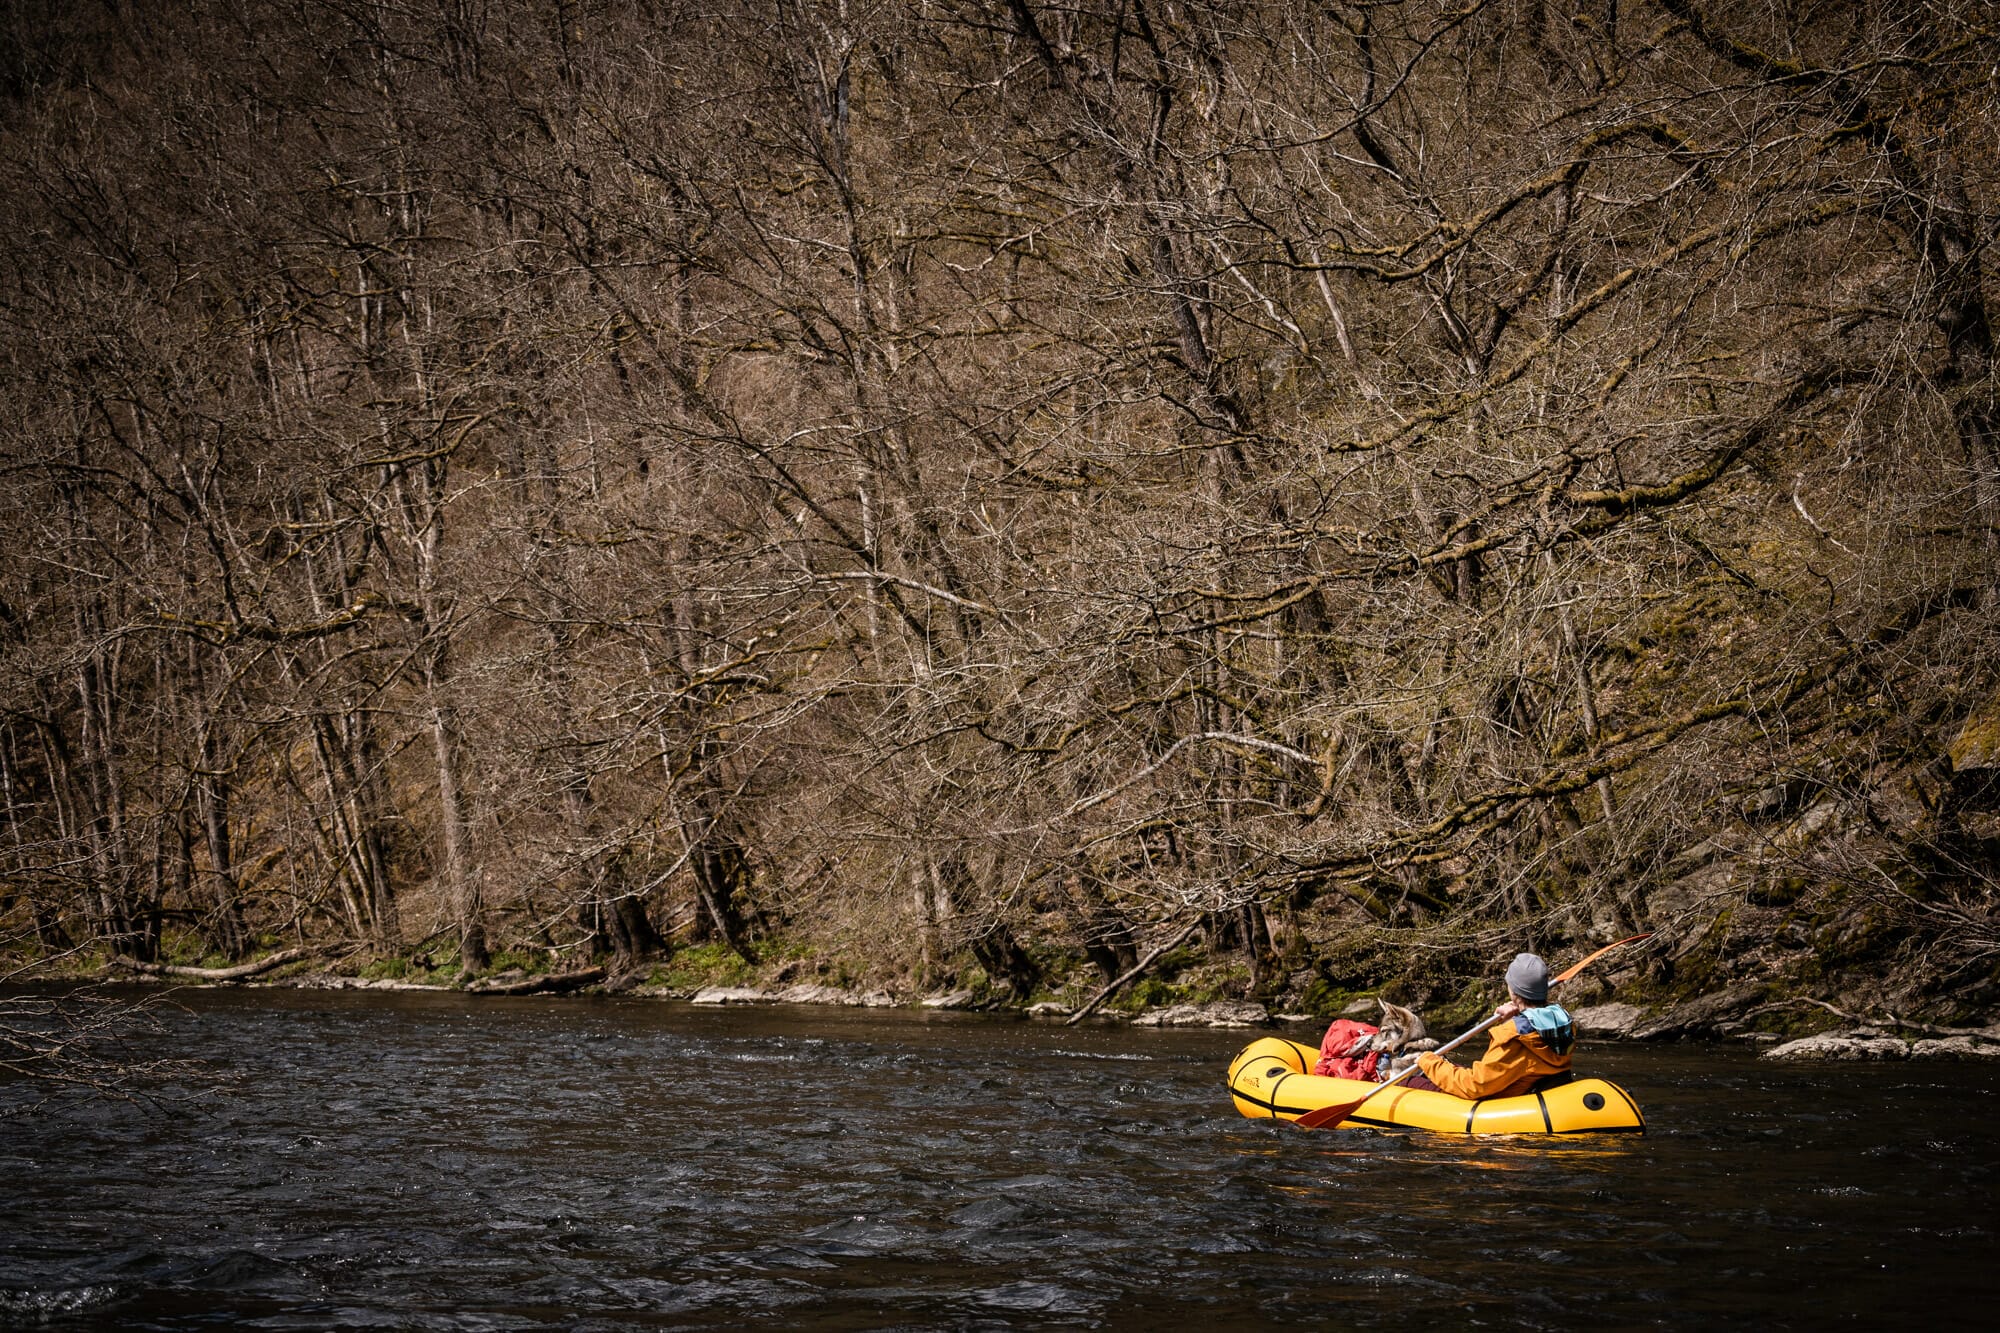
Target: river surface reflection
395,1160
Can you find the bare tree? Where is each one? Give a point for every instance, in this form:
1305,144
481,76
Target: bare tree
1014,485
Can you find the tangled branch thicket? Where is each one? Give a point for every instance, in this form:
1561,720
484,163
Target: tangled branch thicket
949,484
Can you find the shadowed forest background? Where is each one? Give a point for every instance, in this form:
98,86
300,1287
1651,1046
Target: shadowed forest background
934,494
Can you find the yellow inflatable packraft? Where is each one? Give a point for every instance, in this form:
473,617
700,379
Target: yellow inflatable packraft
1273,1080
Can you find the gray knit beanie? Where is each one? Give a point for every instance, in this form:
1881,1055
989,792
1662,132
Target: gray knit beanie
1528,977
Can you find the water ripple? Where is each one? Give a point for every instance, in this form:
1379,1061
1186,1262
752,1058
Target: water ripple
440,1162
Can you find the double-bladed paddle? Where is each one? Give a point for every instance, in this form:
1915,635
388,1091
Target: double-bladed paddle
1333,1115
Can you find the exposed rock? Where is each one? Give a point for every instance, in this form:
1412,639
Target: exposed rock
1955,1048
808,992
729,995
1885,1040
1048,1009
1977,744
958,999
1707,1014
1696,876
1611,1020
1815,823
876,999
1841,1046
1777,800
1221,1014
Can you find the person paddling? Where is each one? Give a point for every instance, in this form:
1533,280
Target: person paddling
1535,1046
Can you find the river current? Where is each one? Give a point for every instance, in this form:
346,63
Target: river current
416,1161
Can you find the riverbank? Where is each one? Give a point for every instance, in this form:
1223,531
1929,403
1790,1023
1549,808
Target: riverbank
1807,1029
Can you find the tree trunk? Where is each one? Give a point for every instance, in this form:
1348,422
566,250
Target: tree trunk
461,874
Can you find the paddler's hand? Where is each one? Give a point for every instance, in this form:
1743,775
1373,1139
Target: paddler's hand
1508,1010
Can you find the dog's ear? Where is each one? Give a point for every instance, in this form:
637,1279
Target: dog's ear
1407,1025
1390,1035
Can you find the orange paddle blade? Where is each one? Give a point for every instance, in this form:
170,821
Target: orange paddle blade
1629,939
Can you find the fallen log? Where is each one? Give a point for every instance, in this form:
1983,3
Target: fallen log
553,983
236,973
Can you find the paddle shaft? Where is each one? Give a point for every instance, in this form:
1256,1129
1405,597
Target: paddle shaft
1333,1115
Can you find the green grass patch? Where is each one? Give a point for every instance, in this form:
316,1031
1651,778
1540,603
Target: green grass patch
509,960
1323,998
698,965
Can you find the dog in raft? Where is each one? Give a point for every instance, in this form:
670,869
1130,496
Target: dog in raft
1373,1052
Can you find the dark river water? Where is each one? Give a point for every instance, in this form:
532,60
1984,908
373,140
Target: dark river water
440,1162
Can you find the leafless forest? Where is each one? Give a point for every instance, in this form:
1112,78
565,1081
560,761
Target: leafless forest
971,492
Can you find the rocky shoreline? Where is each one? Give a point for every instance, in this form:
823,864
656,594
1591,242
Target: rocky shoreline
1723,1015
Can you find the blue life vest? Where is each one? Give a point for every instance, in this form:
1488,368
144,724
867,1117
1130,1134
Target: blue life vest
1551,1023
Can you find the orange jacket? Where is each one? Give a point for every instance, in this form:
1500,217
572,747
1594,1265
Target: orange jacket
1519,1054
